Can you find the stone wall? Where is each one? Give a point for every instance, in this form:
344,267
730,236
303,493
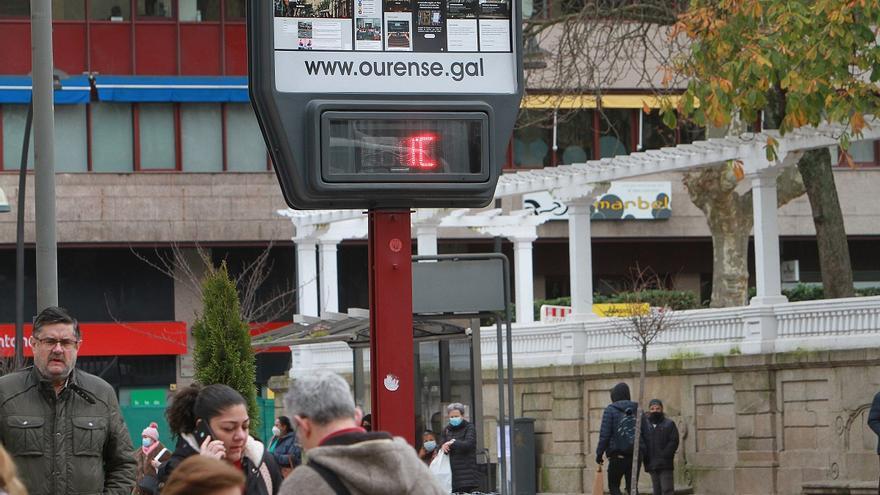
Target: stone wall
757,424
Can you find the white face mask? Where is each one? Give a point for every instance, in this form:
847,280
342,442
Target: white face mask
276,431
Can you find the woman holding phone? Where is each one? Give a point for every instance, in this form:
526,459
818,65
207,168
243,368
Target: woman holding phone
213,421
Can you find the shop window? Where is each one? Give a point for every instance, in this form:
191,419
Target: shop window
201,135
198,10
111,137
236,9
14,117
68,10
156,9
245,148
615,132
690,132
70,138
156,131
655,134
15,8
574,136
864,152
110,10
533,139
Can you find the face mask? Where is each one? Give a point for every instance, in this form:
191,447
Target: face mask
276,431
656,417
430,445
455,421
147,442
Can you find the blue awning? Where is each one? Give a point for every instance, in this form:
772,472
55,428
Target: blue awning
17,89
172,89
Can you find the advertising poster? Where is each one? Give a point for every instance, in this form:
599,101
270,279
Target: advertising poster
461,25
494,26
313,24
430,32
398,29
368,25
624,200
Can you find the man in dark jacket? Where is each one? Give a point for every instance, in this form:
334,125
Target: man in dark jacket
616,437
659,443
874,421
64,426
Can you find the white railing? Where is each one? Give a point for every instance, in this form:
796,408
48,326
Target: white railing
810,325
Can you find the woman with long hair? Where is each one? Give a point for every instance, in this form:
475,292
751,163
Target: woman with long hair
202,475
213,421
9,482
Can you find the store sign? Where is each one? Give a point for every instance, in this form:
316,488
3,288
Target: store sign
114,339
394,46
623,201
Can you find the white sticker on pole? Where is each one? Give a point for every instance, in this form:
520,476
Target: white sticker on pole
394,46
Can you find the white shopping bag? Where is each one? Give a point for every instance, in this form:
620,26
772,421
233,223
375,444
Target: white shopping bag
442,471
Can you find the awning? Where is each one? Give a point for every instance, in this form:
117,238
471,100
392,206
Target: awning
172,89
17,89
568,102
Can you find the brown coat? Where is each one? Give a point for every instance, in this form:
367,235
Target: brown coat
145,467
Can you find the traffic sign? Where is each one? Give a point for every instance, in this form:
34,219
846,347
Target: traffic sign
386,103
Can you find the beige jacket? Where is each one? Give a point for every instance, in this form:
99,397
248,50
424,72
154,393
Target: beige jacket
372,467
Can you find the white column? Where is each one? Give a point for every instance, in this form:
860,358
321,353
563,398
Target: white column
524,274
306,277
426,237
767,269
580,259
329,275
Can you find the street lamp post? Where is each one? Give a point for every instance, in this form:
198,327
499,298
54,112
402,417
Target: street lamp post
19,241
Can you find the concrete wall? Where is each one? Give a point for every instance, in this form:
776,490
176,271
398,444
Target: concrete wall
164,207
760,424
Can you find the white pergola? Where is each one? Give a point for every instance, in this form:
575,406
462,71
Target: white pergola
319,232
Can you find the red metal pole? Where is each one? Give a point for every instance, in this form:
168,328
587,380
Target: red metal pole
392,390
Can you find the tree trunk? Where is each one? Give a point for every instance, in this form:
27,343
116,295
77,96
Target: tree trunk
634,479
834,260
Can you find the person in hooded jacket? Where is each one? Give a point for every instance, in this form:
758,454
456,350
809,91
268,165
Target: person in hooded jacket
341,456
459,440
619,460
221,411
658,446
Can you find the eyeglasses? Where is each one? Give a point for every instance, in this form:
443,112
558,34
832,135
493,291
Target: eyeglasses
66,344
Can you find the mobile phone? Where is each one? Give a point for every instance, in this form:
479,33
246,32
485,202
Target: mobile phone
203,431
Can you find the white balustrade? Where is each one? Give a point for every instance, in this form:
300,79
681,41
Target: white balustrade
809,325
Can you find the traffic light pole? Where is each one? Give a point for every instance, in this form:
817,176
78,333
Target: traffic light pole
392,390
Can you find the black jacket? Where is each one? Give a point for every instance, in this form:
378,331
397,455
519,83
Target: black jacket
659,444
612,416
256,474
874,418
462,455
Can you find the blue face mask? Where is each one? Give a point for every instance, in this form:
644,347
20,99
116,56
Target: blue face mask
429,446
455,421
147,441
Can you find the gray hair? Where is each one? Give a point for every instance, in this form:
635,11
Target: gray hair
321,396
455,406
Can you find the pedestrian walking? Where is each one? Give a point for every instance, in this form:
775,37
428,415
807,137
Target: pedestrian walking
459,441
285,448
63,426
149,457
660,441
213,421
203,475
429,447
342,457
617,438
874,423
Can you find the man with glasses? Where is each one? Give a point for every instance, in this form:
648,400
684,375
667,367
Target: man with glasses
63,426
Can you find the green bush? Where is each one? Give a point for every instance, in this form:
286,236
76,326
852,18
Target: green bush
223,352
809,292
